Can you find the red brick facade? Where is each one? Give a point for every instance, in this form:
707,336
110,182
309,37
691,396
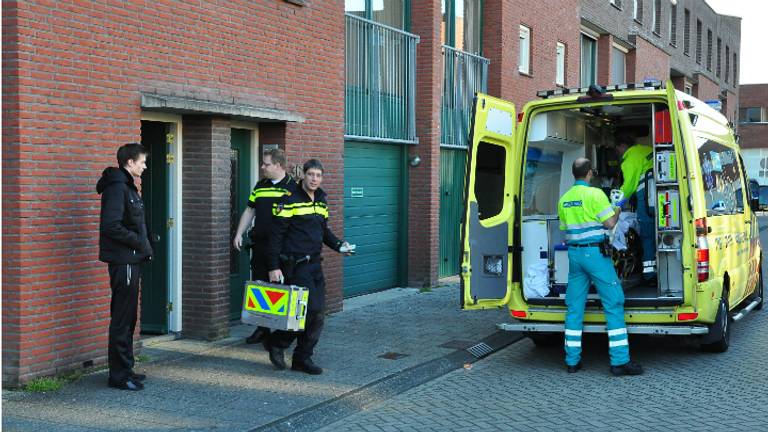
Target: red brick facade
754,135
73,75
550,22
647,61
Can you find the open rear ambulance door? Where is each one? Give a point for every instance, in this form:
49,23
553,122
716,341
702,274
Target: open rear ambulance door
490,199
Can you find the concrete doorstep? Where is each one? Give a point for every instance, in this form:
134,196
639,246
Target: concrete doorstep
380,345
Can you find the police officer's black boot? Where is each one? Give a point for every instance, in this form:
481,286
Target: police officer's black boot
275,356
259,335
307,366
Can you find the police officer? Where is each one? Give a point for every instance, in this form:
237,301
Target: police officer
301,228
637,171
585,214
275,185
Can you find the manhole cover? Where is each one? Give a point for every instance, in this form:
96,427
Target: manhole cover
393,355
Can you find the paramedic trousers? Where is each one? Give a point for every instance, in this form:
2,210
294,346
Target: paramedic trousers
646,220
587,264
124,281
310,276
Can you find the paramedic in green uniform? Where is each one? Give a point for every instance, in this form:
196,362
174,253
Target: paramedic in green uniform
637,170
585,214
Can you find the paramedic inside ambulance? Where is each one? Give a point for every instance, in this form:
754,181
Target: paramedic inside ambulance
637,171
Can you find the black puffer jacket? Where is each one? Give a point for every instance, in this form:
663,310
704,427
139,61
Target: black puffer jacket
123,234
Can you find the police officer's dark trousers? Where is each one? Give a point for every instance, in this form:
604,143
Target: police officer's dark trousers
310,276
124,281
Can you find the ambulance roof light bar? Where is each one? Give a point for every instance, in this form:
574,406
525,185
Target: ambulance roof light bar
646,85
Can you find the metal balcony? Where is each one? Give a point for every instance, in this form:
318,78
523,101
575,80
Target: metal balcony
464,75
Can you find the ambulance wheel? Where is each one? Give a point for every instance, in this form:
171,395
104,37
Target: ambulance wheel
546,340
720,329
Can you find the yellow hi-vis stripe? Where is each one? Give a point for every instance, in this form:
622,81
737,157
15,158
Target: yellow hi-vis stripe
267,193
300,209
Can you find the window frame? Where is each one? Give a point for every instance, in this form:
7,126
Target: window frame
527,70
709,49
560,63
699,44
687,32
637,11
624,52
656,17
594,57
673,25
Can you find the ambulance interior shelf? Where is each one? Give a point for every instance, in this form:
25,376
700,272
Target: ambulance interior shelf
555,140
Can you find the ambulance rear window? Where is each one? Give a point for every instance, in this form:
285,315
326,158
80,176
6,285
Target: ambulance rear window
489,179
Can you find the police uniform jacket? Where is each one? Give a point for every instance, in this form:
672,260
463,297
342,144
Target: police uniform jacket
262,200
301,227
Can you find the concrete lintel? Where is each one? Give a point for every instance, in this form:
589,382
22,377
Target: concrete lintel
185,105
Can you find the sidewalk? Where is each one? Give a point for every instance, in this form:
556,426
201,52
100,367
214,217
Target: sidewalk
230,386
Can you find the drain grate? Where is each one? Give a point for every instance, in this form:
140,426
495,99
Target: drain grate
480,350
392,355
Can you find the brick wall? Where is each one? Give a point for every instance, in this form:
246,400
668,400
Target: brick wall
424,180
80,68
646,61
753,135
706,89
550,22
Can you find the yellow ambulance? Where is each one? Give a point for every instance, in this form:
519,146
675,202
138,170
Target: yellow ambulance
708,253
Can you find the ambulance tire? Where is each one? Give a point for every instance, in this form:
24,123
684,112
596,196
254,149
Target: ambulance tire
546,339
720,329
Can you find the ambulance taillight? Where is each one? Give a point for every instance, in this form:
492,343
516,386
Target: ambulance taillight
702,250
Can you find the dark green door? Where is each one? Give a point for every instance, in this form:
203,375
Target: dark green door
154,189
239,190
373,216
452,172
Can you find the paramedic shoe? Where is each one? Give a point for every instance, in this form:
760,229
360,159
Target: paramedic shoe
259,335
128,384
575,368
628,368
276,356
306,366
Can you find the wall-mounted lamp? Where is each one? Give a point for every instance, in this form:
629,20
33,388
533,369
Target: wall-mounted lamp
414,160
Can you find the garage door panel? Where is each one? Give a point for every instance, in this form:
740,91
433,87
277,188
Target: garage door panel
373,176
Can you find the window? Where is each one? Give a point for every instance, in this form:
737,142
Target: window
727,62
688,90
461,24
687,32
387,12
723,184
735,75
673,25
657,16
616,3
618,66
637,12
709,50
719,49
751,115
525,50
489,179
588,61
560,64
698,41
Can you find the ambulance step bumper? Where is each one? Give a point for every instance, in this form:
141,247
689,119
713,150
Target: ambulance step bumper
676,330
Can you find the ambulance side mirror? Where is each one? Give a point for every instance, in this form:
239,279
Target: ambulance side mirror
754,195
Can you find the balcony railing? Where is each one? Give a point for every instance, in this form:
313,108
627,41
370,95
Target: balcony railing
380,82
464,75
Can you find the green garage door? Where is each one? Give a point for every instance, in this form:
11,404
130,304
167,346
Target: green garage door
373,216
452,172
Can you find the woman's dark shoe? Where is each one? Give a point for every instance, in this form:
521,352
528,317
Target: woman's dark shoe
128,384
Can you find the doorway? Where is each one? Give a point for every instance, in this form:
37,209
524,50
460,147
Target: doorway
155,307
239,190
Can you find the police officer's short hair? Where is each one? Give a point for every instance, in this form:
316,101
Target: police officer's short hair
277,156
130,151
581,167
313,163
